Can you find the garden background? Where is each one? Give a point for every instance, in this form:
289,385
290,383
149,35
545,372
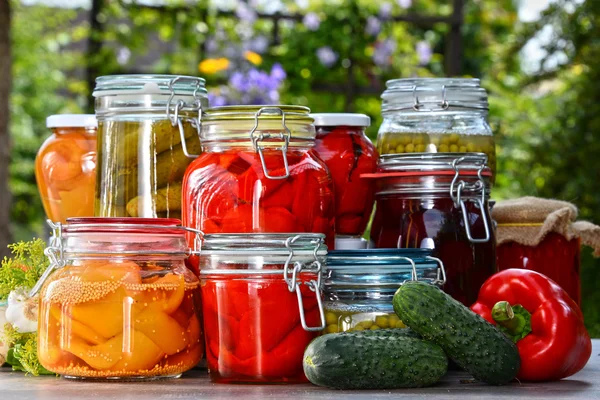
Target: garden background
542,75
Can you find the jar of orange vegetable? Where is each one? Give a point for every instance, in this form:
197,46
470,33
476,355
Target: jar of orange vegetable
261,304
65,167
120,303
258,174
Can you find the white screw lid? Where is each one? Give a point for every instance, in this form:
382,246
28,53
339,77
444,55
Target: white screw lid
350,243
341,119
72,121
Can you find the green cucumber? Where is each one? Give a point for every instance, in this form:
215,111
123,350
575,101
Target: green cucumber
374,359
468,339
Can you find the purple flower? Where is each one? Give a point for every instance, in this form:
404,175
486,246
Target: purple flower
211,45
259,44
311,21
327,56
216,100
424,52
238,81
245,13
278,73
373,26
383,52
385,10
404,3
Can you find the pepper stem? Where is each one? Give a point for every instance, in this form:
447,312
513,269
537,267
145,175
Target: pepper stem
514,321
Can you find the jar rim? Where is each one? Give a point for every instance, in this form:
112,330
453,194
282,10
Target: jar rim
123,225
249,112
141,84
434,162
257,243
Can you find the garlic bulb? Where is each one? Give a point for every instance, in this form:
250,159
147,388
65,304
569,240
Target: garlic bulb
22,311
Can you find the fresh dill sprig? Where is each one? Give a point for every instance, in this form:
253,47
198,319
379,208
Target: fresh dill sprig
24,268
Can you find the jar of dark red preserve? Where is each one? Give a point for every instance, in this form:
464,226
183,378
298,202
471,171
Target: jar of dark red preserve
438,201
348,153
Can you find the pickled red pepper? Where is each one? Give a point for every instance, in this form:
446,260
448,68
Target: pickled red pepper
348,153
253,329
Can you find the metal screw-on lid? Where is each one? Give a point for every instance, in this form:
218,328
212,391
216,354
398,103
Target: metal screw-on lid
433,94
72,121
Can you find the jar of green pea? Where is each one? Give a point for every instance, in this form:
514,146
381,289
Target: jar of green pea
359,285
436,115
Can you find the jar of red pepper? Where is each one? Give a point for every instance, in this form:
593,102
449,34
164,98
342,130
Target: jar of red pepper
346,150
438,201
257,174
542,235
262,305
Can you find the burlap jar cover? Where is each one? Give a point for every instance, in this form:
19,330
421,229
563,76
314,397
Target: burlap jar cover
527,221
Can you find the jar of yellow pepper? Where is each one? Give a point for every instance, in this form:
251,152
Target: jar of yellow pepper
359,285
117,301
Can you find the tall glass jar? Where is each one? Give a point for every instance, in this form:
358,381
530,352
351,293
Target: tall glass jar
261,303
65,167
436,115
118,302
258,174
359,285
148,128
348,153
439,201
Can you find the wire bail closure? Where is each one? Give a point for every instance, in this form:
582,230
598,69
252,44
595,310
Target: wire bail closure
174,117
418,106
283,135
314,286
54,252
457,188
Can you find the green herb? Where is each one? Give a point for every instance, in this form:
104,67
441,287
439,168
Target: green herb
22,355
24,268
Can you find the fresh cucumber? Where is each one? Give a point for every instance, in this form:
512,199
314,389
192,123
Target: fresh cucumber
374,359
469,340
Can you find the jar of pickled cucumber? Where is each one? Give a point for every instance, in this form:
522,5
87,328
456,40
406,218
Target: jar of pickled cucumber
359,285
436,115
65,167
117,301
148,133
438,201
258,174
261,304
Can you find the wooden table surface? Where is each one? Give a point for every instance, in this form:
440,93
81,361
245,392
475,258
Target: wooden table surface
195,385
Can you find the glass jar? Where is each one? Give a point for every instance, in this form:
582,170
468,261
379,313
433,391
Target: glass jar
342,144
148,129
439,201
261,304
258,174
65,167
359,285
436,115
118,302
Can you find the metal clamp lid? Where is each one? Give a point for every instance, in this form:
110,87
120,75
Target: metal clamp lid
283,135
173,116
458,187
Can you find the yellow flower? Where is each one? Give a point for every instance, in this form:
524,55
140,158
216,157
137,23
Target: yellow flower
253,57
213,65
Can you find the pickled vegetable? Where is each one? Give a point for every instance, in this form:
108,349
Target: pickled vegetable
253,329
142,164
346,321
413,142
119,319
65,171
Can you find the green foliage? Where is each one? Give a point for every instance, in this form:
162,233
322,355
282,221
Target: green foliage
24,268
22,355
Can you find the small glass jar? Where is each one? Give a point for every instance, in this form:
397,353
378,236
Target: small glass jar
359,285
261,304
117,301
348,153
436,115
65,167
257,174
439,201
148,133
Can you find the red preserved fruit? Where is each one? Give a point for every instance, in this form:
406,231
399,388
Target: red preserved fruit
348,153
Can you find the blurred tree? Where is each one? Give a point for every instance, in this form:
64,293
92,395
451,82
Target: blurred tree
5,79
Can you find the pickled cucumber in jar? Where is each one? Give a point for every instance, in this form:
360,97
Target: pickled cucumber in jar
338,320
141,166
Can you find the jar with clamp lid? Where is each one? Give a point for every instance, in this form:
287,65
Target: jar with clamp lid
436,115
261,303
117,301
258,174
359,285
439,201
148,133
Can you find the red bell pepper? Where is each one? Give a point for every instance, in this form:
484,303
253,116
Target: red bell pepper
546,324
